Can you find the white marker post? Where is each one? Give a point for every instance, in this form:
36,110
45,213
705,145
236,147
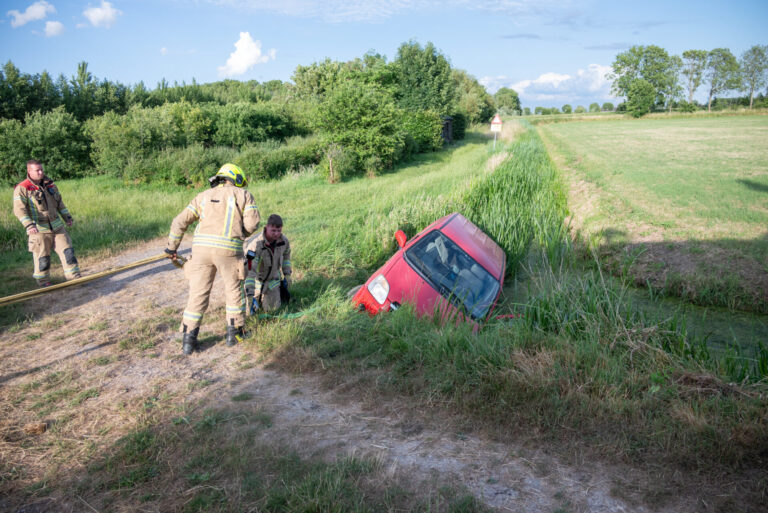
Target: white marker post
495,127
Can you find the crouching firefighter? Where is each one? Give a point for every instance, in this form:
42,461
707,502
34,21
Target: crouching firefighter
226,215
267,255
38,204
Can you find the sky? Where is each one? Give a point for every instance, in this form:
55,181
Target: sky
550,52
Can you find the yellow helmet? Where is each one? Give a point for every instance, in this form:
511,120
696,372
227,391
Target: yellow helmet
234,173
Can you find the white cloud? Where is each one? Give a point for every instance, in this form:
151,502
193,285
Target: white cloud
53,28
246,55
585,86
163,51
36,11
103,16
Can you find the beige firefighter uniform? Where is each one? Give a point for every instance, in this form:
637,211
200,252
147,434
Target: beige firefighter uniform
226,215
263,279
41,206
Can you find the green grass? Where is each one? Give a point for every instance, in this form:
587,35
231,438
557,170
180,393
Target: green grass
691,190
582,371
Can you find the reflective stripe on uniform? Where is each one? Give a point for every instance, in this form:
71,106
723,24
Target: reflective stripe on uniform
273,284
216,241
37,276
174,236
250,282
236,309
248,208
192,316
193,210
72,270
227,232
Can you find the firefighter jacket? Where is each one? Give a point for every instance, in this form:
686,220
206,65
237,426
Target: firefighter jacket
226,215
269,261
40,205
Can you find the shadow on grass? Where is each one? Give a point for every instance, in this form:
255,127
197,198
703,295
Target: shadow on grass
751,184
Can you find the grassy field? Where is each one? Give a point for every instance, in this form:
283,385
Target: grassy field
583,371
689,193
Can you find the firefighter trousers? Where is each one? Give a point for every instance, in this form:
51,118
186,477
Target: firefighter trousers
41,244
201,270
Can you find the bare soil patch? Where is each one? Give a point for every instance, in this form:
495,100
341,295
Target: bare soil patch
96,361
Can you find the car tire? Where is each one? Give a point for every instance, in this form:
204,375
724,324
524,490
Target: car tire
351,293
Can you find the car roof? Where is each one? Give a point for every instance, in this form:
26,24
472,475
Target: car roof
476,243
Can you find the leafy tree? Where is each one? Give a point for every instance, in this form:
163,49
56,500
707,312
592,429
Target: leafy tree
640,97
754,70
474,101
580,110
57,139
722,73
361,118
607,107
594,107
527,111
650,63
508,100
82,99
567,109
424,79
694,64
538,110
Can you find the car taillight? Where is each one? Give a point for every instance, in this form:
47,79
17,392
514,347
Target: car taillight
379,289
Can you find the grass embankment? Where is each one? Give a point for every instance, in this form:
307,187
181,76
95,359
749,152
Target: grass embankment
583,364
679,203
582,372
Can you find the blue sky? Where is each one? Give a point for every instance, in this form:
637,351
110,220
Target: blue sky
551,52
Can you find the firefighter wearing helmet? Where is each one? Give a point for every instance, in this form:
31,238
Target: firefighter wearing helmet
226,215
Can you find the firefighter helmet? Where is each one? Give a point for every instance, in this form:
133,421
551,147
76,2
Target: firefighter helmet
233,173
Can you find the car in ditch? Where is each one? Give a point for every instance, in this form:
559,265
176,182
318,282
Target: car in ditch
451,269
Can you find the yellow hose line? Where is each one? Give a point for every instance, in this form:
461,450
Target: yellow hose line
8,300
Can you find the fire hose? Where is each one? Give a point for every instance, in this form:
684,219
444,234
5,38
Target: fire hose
23,296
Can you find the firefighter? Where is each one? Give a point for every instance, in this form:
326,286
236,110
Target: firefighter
269,253
38,205
226,215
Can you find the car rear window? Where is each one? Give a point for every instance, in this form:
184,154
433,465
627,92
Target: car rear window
453,273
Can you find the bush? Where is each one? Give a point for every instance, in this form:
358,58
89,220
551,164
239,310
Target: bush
459,126
640,98
336,164
58,141
424,128
685,106
271,159
238,124
13,156
362,119
192,165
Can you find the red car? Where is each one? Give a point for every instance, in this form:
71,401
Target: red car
450,268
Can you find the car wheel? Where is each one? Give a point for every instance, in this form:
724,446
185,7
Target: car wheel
351,293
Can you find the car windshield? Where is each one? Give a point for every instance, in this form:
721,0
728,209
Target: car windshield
453,273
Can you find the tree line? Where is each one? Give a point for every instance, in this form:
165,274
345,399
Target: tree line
359,116
652,79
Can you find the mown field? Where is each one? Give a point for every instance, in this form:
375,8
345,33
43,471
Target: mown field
680,203
583,371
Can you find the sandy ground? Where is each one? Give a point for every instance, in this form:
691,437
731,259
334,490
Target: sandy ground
306,415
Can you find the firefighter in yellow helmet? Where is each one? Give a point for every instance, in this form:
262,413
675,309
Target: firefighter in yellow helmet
226,215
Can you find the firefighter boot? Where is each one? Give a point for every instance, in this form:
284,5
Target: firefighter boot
189,342
234,335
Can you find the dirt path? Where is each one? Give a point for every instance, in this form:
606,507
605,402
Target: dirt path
74,334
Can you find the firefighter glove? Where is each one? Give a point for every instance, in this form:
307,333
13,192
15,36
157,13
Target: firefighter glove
171,253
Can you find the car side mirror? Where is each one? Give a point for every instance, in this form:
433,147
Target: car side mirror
401,238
